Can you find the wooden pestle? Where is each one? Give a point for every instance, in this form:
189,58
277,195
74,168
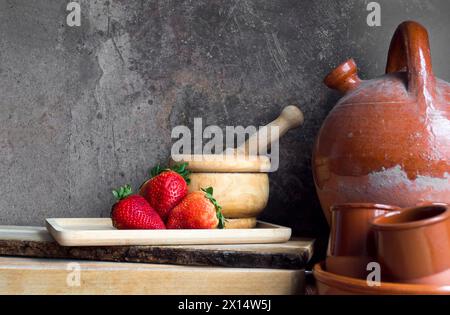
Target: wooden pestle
291,117
237,160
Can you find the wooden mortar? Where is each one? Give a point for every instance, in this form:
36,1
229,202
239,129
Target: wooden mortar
240,180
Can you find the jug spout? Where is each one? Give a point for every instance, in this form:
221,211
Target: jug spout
344,77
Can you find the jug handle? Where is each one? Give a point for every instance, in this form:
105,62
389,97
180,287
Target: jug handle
410,49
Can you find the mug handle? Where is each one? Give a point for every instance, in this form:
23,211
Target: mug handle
410,49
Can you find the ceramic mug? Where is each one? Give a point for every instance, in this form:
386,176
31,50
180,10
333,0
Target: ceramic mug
413,246
351,245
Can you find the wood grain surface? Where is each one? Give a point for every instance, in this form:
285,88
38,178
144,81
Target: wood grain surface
47,276
37,242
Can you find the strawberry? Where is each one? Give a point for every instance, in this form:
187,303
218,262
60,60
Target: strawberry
133,211
198,210
166,187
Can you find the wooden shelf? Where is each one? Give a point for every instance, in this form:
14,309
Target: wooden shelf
58,276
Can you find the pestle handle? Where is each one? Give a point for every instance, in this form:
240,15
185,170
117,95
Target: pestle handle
291,117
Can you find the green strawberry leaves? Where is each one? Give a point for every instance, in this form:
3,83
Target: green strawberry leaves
155,171
122,192
209,194
178,168
181,169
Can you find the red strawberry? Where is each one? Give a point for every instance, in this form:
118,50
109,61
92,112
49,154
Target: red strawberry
198,210
166,188
133,211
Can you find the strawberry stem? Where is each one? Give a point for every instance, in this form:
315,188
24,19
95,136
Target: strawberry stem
181,169
178,168
122,192
209,194
155,171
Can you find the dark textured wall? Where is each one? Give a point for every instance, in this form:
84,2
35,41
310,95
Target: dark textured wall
89,108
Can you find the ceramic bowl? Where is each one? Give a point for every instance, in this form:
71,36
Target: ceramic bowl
329,283
413,246
351,243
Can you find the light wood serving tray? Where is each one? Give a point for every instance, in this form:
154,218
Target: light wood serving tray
100,232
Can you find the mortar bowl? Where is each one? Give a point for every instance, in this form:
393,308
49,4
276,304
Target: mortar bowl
241,195
240,183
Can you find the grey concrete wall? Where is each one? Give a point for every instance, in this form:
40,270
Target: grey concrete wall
87,109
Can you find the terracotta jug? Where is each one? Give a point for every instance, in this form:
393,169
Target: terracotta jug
388,139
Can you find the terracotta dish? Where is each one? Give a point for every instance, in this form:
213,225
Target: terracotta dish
413,245
352,245
331,284
387,139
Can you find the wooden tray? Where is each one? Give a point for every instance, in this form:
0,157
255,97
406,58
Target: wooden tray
100,232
